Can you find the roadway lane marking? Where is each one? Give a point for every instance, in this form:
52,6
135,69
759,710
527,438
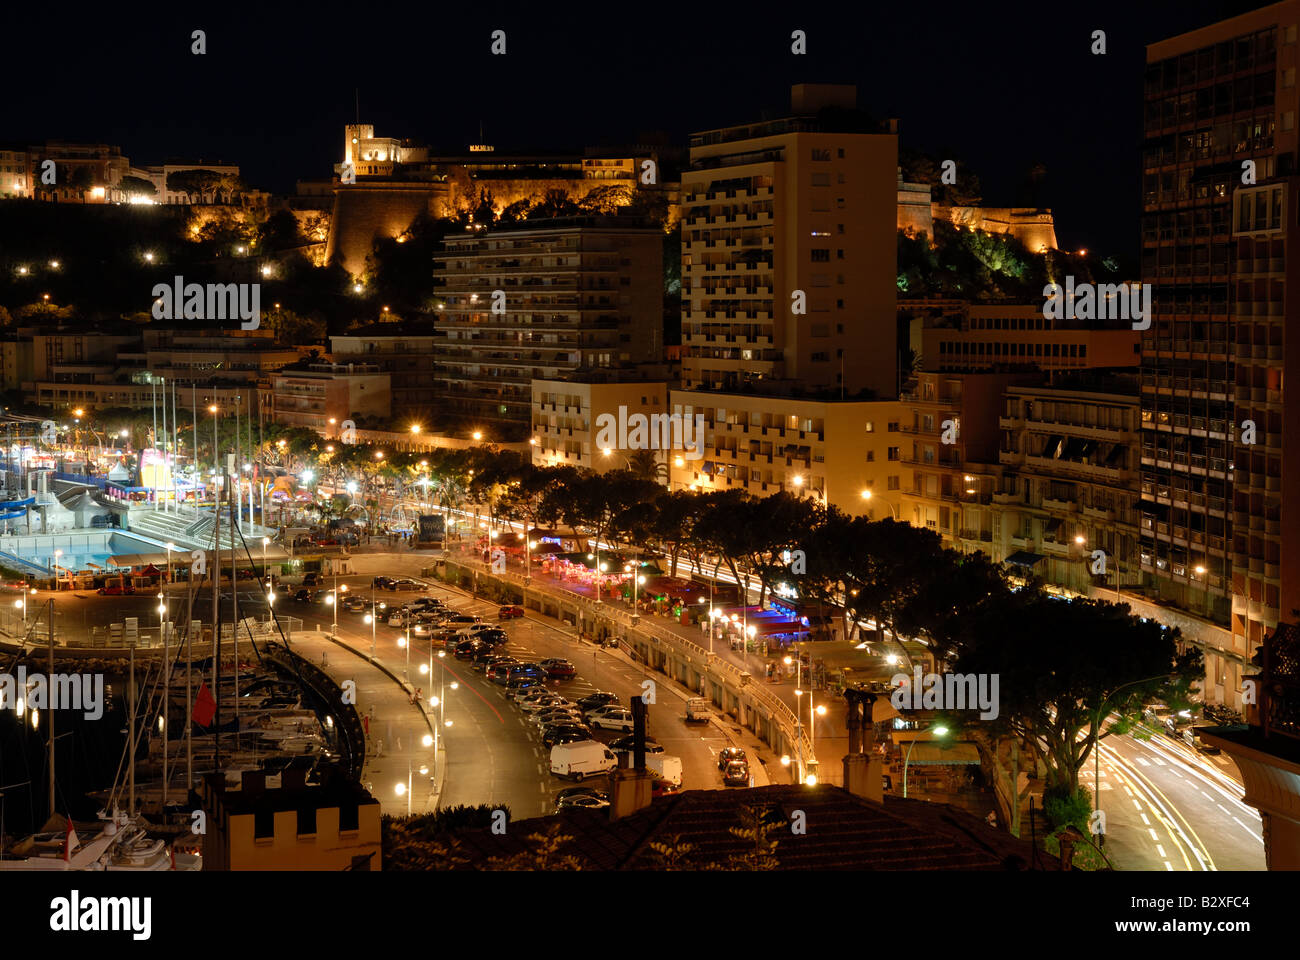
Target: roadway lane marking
1169,866
1160,849
1144,761
1145,820
1251,832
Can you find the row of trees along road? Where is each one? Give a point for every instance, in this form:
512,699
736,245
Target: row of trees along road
1071,672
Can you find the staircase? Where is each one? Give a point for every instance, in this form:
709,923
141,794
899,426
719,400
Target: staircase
185,531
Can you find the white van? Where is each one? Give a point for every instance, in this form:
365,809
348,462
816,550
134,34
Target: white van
666,767
581,759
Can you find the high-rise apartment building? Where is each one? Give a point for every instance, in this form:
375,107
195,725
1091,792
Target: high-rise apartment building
788,250
1219,195
542,300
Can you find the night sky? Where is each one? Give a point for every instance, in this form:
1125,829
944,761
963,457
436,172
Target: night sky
1002,86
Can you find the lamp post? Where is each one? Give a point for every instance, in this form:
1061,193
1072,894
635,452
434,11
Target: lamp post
867,495
169,547
57,568
939,731
798,733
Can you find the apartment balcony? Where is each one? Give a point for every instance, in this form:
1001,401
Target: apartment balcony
1006,498
1010,423
1096,513
1058,506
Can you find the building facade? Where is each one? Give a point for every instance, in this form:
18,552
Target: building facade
407,358
789,249
836,451
568,416
317,394
1221,102
542,300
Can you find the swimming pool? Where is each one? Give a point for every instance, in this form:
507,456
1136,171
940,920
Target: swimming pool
78,551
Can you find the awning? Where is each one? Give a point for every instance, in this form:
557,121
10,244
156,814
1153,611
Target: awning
1023,558
940,755
181,555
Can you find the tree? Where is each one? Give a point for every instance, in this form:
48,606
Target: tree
483,211
543,853
556,202
280,231
81,179
195,183
1064,669
607,199
138,187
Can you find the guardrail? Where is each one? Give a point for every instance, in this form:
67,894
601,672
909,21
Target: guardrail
780,711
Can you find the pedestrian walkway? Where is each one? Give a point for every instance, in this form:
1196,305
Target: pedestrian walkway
395,727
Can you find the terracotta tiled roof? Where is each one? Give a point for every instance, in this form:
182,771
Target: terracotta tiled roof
841,832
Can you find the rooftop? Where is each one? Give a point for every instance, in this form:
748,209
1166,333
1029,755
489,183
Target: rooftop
846,832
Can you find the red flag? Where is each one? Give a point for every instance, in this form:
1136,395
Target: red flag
205,707
69,841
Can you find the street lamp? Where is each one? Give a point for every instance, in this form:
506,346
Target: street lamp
867,495
57,568
939,731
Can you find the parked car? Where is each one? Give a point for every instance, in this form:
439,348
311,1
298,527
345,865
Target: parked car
580,802
564,733
498,667
381,582
459,620
354,604
663,788
616,718
727,754
559,668
426,603
593,712
483,657
467,650
580,792
510,613
552,715
517,670
598,699
405,583
627,743
398,619
304,595
535,701
517,687
494,637
736,774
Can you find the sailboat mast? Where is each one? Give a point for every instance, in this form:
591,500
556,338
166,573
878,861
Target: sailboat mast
234,610
130,696
164,441
216,600
166,699
50,713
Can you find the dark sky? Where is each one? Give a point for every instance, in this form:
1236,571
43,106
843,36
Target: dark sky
1001,86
